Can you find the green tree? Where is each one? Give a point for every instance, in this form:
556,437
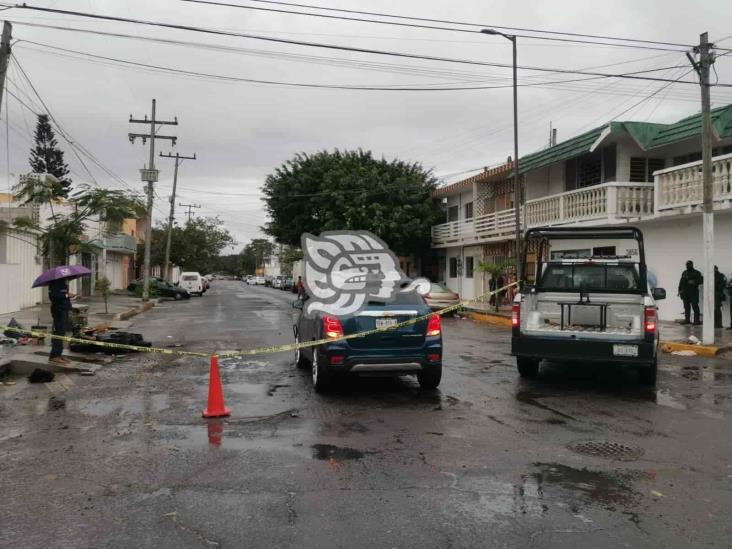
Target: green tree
63,235
46,157
261,250
351,190
194,247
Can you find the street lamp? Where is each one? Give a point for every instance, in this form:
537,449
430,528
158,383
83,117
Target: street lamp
516,184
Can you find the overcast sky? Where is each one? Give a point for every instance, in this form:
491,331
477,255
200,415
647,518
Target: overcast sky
242,131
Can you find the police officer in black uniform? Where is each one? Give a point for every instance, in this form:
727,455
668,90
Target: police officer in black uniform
689,284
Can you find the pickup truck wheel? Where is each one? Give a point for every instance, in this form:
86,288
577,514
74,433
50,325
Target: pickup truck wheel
430,379
647,375
528,367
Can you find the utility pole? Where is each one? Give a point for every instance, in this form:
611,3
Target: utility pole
517,194
4,56
178,161
190,207
702,67
150,174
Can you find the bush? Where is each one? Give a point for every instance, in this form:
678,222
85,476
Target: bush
102,287
153,288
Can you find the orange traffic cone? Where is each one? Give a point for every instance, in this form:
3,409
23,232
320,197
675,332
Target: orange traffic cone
215,406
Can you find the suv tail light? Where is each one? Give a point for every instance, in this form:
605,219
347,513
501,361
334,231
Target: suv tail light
649,320
332,327
516,315
434,326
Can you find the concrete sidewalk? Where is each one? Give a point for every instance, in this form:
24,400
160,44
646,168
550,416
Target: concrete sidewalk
120,308
24,358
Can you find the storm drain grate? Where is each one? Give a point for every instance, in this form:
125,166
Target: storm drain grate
607,449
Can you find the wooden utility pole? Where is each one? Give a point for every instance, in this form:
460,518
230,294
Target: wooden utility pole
178,161
190,207
702,67
4,56
150,174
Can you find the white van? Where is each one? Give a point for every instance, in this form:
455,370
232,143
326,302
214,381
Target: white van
192,283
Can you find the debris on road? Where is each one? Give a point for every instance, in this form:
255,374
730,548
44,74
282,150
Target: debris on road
41,376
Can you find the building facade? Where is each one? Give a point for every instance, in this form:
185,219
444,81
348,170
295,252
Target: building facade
644,174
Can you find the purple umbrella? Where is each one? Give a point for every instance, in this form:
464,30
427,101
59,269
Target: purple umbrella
61,273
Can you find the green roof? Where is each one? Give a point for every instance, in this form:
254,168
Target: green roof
562,151
647,135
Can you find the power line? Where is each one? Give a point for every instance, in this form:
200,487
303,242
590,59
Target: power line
450,29
331,46
443,21
324,86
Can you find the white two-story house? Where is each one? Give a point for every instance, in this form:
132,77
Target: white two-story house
639,173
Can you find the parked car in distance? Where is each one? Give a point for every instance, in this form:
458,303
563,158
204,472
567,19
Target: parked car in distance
162,288
440,297
206,283
415,349
278,282
287,283
268,280
256,281
584,307
246,278
192,282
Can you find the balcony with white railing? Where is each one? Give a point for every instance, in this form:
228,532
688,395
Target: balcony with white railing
608,203
680,189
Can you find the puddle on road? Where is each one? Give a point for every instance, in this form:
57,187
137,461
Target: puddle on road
552,486
329,452
611,490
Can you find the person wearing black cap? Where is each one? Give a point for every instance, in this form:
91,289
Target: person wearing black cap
689,284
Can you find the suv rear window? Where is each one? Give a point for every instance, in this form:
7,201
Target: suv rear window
590,276
190,277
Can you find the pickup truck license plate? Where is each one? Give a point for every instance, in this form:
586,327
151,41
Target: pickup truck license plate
625,350
385,322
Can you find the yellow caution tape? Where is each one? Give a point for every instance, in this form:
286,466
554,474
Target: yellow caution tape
259,350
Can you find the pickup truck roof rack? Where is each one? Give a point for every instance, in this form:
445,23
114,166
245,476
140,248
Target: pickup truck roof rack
585,232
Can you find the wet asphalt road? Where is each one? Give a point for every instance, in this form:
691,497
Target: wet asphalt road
123,459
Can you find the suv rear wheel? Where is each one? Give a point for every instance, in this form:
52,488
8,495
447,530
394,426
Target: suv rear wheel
300,359
528,367
430,379
321,377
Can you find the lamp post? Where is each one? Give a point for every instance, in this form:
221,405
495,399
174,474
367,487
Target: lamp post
516,184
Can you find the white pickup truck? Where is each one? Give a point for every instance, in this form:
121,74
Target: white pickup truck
589,301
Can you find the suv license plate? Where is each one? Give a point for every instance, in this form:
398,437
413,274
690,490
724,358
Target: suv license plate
385,322
625,350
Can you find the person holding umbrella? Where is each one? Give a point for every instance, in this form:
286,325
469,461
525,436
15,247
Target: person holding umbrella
58,292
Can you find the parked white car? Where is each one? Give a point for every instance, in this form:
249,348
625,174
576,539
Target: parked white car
192,283
256,281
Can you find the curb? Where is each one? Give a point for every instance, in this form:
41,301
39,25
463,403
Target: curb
490,318
701,350
135,311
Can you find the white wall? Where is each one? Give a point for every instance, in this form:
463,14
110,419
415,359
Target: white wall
670,243
19,249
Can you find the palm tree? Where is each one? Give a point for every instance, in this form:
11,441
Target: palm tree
495,270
